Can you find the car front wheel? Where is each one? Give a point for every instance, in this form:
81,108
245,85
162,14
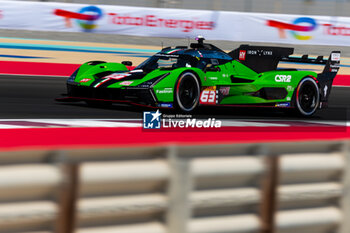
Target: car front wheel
187,91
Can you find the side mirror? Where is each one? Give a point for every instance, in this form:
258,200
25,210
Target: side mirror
127,63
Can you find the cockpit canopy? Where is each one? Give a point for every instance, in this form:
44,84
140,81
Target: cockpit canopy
172,58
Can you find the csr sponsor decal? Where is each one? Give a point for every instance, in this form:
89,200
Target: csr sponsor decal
86,17
283,78
154,21
209,95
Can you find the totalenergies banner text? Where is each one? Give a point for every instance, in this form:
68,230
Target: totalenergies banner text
159,22
106,19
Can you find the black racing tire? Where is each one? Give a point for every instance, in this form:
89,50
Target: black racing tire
187,92
307,97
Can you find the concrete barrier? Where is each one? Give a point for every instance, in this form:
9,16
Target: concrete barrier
282,187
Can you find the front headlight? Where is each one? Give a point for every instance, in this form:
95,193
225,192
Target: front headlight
72,77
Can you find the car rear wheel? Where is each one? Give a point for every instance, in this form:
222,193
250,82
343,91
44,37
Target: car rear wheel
307,97
187,91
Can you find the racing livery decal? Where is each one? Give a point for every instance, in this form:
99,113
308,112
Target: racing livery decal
179,78
209,95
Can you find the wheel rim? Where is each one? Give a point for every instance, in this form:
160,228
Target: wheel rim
307,96
188,92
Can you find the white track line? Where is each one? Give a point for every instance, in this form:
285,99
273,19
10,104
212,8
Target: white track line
330,123
252,123
4,126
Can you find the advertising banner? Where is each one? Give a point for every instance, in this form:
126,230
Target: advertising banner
175,23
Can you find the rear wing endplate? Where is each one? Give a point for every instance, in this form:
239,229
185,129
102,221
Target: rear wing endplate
330,70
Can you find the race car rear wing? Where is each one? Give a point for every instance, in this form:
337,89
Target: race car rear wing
305,59
264,58
331,64
330,70
328,74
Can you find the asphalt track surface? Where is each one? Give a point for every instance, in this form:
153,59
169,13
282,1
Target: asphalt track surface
28,97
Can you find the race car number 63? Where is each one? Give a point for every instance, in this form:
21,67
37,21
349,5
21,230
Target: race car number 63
208,97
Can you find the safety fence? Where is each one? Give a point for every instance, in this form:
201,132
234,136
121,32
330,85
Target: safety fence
175,23
274,187
316,7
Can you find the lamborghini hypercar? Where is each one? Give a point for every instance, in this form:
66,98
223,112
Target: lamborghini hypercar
187,78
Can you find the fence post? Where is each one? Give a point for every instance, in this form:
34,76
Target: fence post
179,189
67,197
269,194
345,202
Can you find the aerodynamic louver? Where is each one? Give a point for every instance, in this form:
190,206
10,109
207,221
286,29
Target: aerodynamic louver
103,74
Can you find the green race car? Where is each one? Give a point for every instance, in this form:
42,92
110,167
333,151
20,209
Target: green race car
186,78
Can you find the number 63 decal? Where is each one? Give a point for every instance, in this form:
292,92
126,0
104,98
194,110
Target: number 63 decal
208,97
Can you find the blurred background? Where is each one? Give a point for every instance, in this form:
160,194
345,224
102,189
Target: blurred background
214,187
299,7
313,7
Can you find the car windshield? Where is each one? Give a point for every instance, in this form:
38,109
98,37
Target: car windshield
165,61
